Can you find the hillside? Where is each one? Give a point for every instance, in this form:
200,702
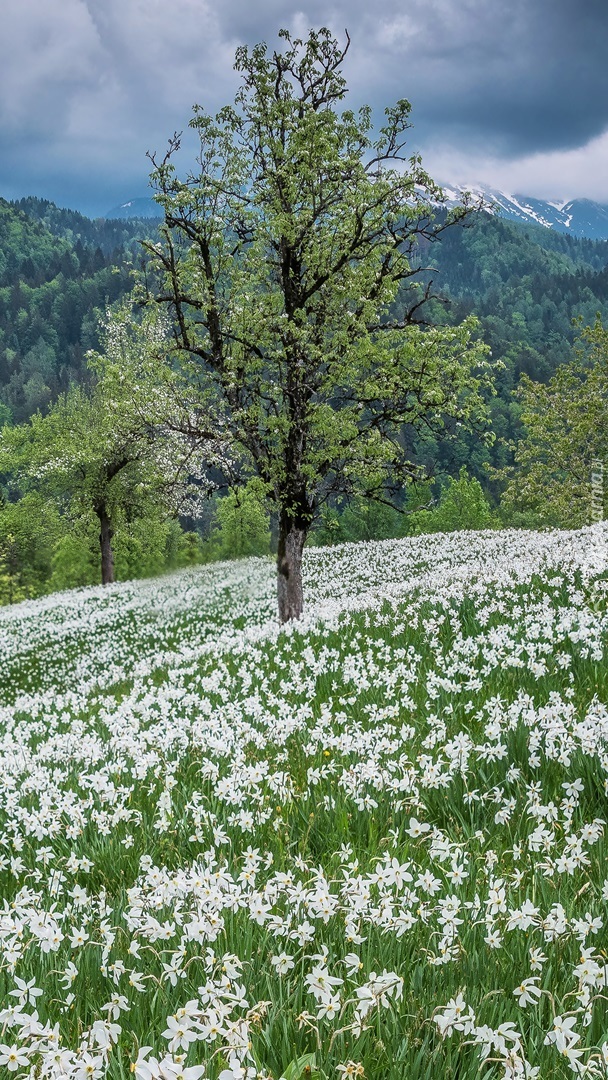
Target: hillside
576,217
526,285
531,288
370,845
111,236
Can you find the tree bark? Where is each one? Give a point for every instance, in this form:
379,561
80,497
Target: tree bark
292,535
105,542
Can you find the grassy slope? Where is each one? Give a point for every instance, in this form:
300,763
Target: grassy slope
162,730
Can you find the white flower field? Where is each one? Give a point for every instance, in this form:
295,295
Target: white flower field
371,844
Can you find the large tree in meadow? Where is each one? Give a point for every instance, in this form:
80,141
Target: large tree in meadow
280,255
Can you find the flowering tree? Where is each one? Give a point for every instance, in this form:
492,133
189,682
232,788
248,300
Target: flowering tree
280,256
122,445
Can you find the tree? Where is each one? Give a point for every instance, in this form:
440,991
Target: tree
565,432
29,530
241,524
121,446
280,257
462,505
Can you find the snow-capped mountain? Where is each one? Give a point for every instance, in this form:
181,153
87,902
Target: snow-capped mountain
580,217
136,208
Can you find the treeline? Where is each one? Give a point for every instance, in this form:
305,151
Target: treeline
111,235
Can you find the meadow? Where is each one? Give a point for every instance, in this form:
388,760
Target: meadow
369,844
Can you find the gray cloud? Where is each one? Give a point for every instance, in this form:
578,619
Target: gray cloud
530,75
87,86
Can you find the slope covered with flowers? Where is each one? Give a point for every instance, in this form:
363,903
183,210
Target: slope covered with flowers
371,844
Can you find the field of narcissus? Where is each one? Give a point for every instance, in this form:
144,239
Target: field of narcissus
371,844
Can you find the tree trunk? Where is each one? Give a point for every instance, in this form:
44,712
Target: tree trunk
292,534
105,542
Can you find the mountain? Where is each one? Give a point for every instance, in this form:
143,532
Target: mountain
576,217
136,208
522,271
111,235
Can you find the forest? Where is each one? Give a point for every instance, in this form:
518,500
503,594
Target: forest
531,290
59,270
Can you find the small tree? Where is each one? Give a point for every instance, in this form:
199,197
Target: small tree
281,255
462,505
241,524
565,431
29,530
114,450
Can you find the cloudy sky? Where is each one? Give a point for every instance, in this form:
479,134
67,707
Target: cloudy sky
513,94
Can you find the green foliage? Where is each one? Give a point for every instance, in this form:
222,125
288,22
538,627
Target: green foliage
241,524
462,505
29,530
107,457
368,519
74,561
58,271
141,549
42,551
182,546
303,1066
565,432
361,519
526,285
83,453
113,453
112,236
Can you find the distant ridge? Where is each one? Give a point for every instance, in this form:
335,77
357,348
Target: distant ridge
135,208
577,217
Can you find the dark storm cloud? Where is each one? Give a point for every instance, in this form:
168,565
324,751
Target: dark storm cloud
527,76
87,86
